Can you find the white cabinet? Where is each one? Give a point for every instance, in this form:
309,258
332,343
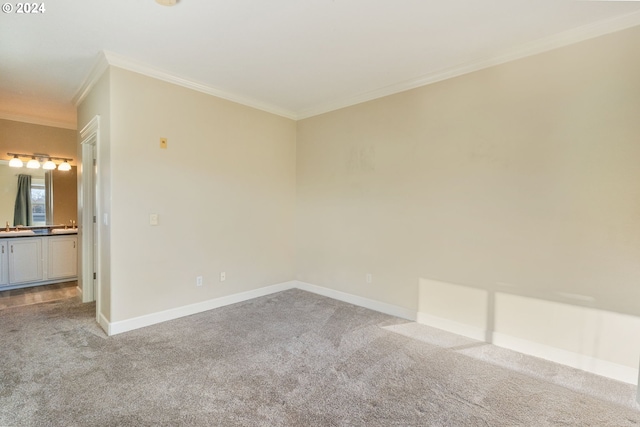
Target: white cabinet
62,259
33,261
25,260
4,263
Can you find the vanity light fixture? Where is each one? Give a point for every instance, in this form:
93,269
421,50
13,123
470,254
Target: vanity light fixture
33,163
16,162
36,158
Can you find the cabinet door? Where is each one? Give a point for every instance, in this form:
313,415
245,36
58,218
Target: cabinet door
4,264
63,257
25,260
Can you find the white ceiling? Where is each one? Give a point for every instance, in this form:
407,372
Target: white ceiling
296,58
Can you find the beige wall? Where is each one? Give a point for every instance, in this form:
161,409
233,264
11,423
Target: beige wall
224,190
19,137
521,178
476,202
98,103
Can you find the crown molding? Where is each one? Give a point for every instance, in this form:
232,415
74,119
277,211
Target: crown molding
556,41
576,35
38,121
147,70
100,65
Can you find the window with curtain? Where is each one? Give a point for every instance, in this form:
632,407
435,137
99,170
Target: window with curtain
38,205
22,213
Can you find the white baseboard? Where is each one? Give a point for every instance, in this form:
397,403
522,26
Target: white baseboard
113,328
382,307
175,313
553,354
568,358
452,326
104,323
575,360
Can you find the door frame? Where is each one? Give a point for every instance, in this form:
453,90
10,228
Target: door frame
89,204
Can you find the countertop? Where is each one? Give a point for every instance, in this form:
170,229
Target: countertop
42,232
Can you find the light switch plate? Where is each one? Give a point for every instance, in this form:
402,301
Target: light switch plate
163,142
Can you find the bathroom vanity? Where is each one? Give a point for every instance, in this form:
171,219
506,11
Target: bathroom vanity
38,258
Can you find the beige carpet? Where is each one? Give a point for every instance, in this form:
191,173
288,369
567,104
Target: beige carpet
289,359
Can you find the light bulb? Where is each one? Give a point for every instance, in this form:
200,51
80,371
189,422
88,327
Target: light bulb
15,162
64,166
49,165
33,163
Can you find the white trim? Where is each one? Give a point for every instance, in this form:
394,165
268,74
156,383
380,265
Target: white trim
104,323
89,207
556,41
147,70
575,360
568,358
563,357
393,310
545,44
452,326
90,129
99,67
175,313
199,307
38,121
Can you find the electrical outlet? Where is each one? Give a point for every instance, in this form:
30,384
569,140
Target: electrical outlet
369,278
153,219
199,281
223,276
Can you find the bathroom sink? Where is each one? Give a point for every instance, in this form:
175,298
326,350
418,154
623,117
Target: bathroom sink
64,231
17,233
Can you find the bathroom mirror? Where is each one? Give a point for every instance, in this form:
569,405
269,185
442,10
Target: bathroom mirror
62,188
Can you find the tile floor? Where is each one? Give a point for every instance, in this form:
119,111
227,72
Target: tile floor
38,294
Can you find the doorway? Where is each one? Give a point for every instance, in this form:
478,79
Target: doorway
89,206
